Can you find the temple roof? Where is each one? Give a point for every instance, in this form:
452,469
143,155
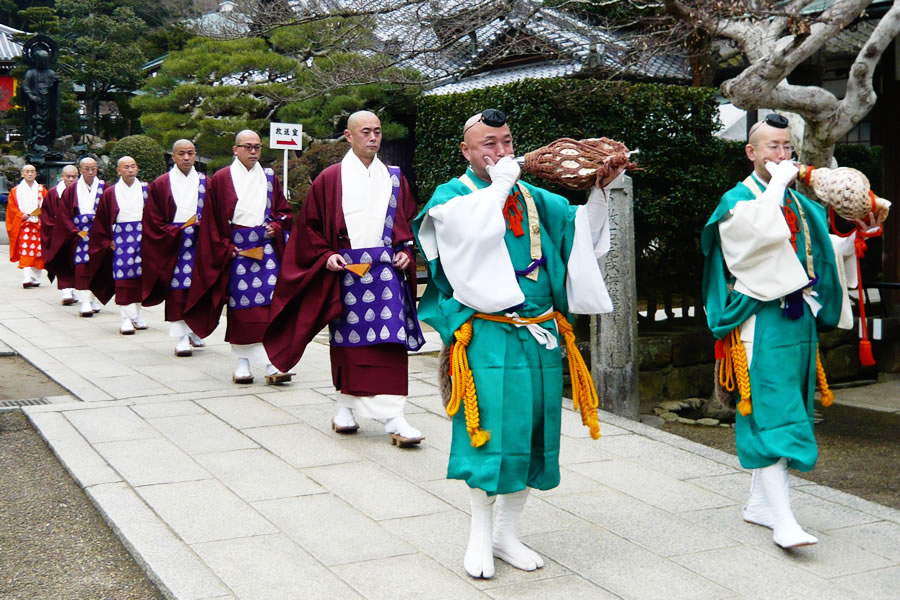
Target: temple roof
10,51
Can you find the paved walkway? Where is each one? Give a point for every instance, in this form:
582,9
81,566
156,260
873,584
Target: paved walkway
221,491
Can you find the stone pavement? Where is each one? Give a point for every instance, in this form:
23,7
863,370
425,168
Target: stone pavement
243,492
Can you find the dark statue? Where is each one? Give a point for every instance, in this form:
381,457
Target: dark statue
41,88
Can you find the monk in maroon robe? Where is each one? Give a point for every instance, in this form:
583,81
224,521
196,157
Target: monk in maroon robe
64,281
71,234
239,248
115,246
346,208
169,237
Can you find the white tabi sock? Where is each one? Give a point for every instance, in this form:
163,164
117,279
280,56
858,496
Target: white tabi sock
507,546
757,510
243,368
479,559
776,485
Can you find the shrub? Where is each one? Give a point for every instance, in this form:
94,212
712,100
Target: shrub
685,168
314,160
146,152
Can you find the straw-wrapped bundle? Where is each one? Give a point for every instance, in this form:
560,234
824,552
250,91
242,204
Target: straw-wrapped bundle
577,165
845,189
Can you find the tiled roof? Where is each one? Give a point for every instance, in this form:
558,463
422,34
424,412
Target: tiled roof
577,45
504,76
567,45
10,51
850,41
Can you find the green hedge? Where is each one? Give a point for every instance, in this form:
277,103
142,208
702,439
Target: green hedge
146,152
685,168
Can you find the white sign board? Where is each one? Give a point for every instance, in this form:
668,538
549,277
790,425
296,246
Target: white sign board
285,136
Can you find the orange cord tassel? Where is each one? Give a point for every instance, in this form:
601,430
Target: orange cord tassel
827,396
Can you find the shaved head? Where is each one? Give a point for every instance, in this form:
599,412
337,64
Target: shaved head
241,136
182,142
765,144
122,161
359,116
70,170
247,148
469,122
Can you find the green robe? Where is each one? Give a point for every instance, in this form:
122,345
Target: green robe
518,381
783,367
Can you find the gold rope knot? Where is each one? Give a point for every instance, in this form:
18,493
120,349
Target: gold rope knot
734,369
827,396
464,386
584,394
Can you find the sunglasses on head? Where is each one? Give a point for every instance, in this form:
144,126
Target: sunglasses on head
777,121
490,117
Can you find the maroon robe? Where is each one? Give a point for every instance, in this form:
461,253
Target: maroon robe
208,293
307,295
100,266
65,237
48,219
160,244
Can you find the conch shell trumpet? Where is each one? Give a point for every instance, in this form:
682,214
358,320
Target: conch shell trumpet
577,165
845,189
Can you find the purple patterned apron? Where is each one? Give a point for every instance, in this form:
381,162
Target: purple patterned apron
127,253
184,264
84,223
252,281
378,308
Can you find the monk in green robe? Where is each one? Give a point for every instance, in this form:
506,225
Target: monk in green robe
772,273
512,256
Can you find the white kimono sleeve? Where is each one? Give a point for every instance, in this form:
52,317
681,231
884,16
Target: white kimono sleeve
585,289
756,246
468,232
848,274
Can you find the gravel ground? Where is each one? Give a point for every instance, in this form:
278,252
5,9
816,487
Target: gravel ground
53,543
858,451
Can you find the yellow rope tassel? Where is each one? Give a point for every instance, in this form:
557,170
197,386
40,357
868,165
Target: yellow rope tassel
735,362
827,396
464,386
584,394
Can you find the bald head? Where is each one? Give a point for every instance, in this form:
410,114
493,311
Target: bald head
766,143
247,148
69,175
29,174
184,155
359,116
127,169
88,168
483,145
243,135
364,134
182,143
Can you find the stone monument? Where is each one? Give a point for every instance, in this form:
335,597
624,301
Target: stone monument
614,363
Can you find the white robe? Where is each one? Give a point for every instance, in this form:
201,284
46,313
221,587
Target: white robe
185,189
86,195
29,199
252,189
477,263
130,200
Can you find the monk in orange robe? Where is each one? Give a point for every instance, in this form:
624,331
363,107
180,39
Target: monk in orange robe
23,224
